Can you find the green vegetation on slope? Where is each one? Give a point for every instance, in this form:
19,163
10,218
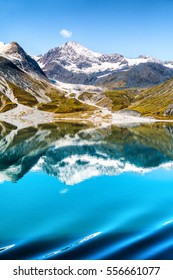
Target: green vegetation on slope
54,100
121,99
5,103
113,100
156,101
22,96
99,99
61,104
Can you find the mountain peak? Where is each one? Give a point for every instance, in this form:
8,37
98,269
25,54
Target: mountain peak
148,58
15,45
78,49
10,48
16,54
72,44
76,64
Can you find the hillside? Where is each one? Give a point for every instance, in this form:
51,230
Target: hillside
114,100
19,87
156,101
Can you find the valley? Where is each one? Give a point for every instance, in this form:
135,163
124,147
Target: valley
73,83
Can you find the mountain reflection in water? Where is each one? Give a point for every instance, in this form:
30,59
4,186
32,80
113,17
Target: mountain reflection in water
86,193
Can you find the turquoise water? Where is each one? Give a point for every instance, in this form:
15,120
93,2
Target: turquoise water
74,192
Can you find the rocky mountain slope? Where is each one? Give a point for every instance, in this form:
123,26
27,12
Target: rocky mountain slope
73,63
143,75
30,87
15,53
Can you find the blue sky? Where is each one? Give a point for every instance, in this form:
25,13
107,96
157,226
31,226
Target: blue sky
129,27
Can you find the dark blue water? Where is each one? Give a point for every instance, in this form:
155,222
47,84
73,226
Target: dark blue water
70,191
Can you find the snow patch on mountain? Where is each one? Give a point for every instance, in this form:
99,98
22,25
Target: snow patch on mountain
3,47
75,64
168,64
77,58
141,59
77,88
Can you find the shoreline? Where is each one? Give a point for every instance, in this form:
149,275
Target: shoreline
23,116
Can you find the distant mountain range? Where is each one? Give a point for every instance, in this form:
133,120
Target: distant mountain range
73,63
142,86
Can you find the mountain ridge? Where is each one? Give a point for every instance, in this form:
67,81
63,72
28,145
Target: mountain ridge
18,87
75,64
16,54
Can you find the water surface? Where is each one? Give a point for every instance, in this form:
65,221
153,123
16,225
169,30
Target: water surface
72,191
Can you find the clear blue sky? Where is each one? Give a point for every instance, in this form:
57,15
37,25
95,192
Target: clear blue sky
129,27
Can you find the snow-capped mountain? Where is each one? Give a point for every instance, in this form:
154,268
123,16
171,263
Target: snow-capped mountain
22,82
23,86
73,63
15,53
74,57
